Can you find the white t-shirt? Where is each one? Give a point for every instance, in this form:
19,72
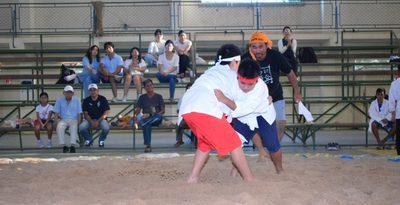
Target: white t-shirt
156,48
183,45
167,64
44,111
142,64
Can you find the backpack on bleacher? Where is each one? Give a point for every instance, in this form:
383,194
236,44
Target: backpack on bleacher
67,76
307,55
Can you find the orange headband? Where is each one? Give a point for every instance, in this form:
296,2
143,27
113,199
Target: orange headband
247,80
259,37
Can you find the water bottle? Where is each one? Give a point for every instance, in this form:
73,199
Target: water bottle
17,122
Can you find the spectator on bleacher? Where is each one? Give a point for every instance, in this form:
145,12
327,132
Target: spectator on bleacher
288,46
182,47
134,68
91,64
152,107
95,111
394,107
182,125
381,118
68,110
168,64
205,115
272,63
44,111
111,68
156,48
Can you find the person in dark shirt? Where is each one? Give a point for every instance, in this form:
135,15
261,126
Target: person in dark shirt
95,109
151,106
272,63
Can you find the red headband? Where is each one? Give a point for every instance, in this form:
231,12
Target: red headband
247,80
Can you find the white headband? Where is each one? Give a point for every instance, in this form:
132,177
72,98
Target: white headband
236,58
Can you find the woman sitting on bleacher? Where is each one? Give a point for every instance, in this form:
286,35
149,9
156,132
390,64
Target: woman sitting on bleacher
167,68
91,64
134,68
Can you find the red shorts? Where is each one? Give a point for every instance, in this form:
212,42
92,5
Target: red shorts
212,133
36,122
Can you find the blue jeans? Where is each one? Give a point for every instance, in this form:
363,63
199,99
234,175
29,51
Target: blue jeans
85,126
150,60
146,125
87,78
171,79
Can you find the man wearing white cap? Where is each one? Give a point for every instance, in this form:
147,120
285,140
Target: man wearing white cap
95,110
68,112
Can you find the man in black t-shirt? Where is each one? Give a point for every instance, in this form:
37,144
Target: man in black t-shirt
152,107
95,109
272,63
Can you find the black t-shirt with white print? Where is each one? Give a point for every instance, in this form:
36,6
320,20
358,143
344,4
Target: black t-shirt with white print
271,66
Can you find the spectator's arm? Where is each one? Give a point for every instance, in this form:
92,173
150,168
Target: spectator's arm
281,48
294,46
102,69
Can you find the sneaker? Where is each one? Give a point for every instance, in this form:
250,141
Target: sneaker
147,149
394,58
114,99
72,149
179,143
65,149
87,143
124,99
179,80
40,144
101,144
49,144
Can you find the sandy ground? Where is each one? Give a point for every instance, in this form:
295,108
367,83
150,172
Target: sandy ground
314,178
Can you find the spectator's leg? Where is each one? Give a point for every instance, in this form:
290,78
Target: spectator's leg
113,83
127,83
49,127
61,126
150,60
105,127
73,131
37,129
398,136
86,82
146,132
84,130
375,131
172,82
137,79
162,78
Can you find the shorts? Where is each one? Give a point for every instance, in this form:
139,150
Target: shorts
35,122
280,110
388,127
212,133
267,132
